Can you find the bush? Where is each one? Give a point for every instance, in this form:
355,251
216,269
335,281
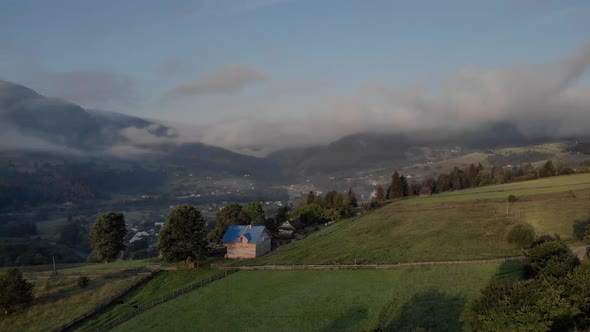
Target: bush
550,259
512,199
15,292
546,238
530,305
83,281
522,235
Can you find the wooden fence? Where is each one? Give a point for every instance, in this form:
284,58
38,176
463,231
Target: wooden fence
364,266
99,308
161,299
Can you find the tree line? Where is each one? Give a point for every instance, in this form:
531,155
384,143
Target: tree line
317,209
469,177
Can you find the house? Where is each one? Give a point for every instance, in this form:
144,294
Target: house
289,227
246,241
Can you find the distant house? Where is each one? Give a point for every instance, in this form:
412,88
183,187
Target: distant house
289,227
246,241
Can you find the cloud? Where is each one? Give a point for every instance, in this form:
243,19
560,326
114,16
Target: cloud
540,99
89,88
294,87
229,79
172,67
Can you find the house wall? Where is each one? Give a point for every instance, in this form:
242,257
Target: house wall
263,246
239,250
249,250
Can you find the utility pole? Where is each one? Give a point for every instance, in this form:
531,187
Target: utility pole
54,270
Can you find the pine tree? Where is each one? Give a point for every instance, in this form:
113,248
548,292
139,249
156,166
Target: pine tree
350,200
396,189
380,194
404,185
15,291
311,197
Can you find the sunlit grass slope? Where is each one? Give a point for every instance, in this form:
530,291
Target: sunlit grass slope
469,224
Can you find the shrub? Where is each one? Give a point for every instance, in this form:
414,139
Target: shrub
15,292
530,305
550,259
83,281
512,199
546,238
522,235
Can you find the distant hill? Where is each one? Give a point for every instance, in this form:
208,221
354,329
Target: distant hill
64,126
53,151
363,151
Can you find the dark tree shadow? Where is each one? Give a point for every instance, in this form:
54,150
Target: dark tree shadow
430,310
348,320
510,271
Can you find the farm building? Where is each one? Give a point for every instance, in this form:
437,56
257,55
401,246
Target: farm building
289,227
246,241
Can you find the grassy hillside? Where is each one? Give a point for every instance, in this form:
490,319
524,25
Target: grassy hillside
432,297
469,224
58,299
161,285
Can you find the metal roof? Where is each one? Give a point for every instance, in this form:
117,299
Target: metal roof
234,232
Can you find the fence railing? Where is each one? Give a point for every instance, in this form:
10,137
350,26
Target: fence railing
146,305
363,266
99,308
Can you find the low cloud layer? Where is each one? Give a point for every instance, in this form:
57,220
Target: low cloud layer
540,99
229,79
90,88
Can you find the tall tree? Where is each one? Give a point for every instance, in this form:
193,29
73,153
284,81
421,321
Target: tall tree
107,238
232,214
15,292
282,214
404,185
429,185
395,189
351,200
380,193
255,213
457,179
547,170
183,235
471,175
312,198
444,183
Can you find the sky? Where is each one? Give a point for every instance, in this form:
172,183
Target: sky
280,73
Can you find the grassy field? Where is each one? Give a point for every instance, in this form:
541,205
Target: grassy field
163,284
470,224
58,299
526,188
434,298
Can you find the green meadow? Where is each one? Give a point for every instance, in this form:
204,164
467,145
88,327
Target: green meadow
433,298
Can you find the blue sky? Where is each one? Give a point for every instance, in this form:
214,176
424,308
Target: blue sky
128,56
